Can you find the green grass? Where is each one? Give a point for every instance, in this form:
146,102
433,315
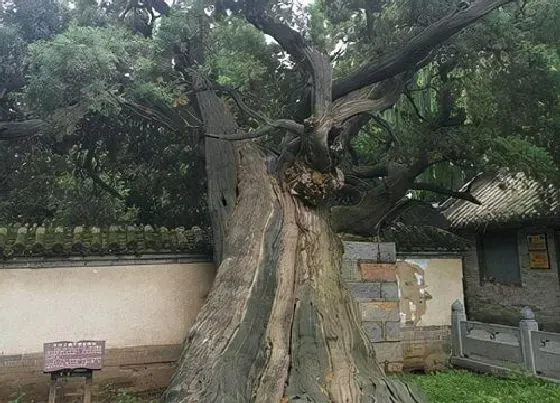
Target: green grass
112,394
454,386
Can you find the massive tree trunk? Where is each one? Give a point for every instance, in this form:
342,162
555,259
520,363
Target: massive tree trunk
278,325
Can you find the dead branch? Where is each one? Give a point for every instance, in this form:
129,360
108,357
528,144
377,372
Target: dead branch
430,187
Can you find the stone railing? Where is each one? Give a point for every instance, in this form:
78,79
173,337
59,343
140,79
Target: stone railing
498,349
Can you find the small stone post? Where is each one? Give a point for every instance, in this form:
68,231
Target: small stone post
457,316
527,325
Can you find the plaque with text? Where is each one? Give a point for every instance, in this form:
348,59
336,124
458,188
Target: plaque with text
539,259
536,242
538,251
67,355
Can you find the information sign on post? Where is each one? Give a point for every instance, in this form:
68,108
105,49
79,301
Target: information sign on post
72,359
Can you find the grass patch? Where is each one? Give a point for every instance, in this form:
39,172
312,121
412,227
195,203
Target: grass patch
112,394
458,386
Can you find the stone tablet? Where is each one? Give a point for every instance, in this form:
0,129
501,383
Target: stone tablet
65,355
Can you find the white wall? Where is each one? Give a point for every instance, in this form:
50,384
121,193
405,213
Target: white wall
124,305
428,287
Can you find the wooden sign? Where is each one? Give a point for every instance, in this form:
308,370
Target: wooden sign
538,251
539,259
67,355
536,242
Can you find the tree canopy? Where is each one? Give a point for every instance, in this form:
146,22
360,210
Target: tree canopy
96,99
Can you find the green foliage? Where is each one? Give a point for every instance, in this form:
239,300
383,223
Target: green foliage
20,398
461,386
241,58
240,55
12,52
36,19
40,182
489,99
42,187
92,70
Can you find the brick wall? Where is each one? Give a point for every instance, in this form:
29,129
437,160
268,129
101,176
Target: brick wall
398,343
425,348
500,303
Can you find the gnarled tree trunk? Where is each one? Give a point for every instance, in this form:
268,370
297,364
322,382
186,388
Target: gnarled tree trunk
278,324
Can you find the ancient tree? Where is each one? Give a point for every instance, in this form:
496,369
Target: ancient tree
278,324
282,180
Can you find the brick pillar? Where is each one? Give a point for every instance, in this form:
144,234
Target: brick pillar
370,270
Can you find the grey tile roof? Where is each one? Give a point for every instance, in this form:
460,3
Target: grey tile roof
26,240
505,198
423,238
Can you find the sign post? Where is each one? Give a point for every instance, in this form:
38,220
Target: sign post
72,359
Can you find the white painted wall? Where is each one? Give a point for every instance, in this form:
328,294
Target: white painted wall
124,305
441,278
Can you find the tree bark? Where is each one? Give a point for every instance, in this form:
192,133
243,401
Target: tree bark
365,217
278,324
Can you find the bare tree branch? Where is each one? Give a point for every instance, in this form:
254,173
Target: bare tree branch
243,107
414,106
430,187
416,51
387,126
263,131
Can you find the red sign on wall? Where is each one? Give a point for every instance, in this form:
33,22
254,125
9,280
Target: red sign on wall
63,355
538,251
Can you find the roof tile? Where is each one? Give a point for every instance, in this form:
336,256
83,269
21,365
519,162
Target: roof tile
17,240
504,197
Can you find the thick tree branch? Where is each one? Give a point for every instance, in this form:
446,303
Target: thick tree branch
416,51
370,171
91,172
387,126
430,187
349,129
263,131
313,62
371,99
291,41
374,98
151,113
363,217
16,129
